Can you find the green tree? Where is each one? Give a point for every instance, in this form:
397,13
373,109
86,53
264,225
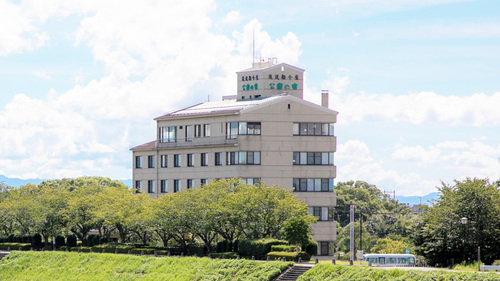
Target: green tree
442,237
297,231
50,202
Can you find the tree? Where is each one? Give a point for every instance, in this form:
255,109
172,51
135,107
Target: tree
297,230
50,202
442,237
262,210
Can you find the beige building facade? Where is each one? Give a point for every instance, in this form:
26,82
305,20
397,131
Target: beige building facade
267,132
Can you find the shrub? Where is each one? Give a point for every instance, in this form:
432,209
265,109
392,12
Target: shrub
311,248
235,246
36,242
15,246
71,240
289,256
60,241
145,251
227,255
196,249
258,248
283,248
82,249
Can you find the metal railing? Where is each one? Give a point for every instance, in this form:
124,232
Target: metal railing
201,141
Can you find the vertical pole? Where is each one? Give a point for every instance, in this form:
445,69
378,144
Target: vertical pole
478,258
361,231
351,238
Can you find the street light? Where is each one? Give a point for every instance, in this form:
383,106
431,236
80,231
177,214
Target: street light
463,221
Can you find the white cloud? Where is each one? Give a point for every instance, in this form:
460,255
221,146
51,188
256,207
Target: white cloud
356,162
157,55
231,18
19,31
42,74
459,159
420,108
417,153
453,30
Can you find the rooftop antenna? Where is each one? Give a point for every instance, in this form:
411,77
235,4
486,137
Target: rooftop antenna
253,46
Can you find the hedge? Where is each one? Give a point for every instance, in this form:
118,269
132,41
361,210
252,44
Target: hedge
15,246
289,256
258,248
283,248
226,255
142,251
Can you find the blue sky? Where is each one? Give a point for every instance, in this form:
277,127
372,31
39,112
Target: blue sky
415,81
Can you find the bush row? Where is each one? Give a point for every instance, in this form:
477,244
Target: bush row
258,248
15,246
231,249
289,256
322,272
283,248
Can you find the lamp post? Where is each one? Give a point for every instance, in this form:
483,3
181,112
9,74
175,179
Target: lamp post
463,221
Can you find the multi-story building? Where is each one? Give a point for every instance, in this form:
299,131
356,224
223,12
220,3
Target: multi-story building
267,132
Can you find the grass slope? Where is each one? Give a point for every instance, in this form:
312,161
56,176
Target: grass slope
94,266
324,272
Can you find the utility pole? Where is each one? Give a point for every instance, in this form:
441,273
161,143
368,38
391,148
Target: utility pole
361,231
351,238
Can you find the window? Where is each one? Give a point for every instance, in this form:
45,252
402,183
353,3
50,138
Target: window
313,158
138,162
151,161
190,160
151,186
203,182
163,186
218,159
138,185
163,160
203,159
232,158
189,133
251,181
243,158
168,134
206,130
177,185
322,213
253,128
249,128
177,160
312,185
197,131
189,183
231,130
313,129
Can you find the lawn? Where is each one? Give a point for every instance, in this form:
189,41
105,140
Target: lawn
93,266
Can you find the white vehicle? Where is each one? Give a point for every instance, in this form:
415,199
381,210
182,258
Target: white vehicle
390,259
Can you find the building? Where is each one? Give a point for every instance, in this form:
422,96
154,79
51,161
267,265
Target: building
267,132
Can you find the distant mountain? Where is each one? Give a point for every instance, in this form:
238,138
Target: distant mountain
415,200
412,200
14,182
18,182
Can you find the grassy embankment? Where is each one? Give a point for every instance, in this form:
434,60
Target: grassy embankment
92,266
327,272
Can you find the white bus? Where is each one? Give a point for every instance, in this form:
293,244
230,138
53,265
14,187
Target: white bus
390,259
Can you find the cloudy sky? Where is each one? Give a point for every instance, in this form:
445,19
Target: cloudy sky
416,82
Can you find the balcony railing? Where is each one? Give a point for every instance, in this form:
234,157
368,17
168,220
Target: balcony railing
201,141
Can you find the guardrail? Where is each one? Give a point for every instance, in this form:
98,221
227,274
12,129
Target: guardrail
489,267
203,141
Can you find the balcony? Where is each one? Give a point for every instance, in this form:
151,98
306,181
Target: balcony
195,142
